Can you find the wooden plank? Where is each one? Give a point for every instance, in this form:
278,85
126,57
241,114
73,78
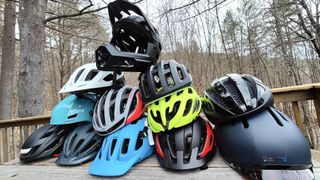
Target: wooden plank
293,96
25,121
316,103
296,88
297,116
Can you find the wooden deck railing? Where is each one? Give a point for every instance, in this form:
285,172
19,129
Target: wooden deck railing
14,132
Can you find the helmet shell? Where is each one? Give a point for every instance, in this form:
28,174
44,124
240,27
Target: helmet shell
188,147
87,78
73,109
44,142
174,111
235,96
81,146
122,149
162,80
266,140
116,108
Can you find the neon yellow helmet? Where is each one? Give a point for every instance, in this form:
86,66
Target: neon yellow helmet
173,111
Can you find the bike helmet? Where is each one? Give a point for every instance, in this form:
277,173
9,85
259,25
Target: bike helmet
162,80
234,96
87,78
122,149
174,111
44,142
116,108
74,109
81,146
266,140
188,147
110,58
138,42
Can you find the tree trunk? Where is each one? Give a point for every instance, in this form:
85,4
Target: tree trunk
8,59
32,39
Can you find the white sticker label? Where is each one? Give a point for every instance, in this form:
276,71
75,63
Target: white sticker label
149,133
25,151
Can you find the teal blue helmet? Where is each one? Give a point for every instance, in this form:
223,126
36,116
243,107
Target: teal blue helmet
74,109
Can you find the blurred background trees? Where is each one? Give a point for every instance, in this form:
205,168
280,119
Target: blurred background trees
44,41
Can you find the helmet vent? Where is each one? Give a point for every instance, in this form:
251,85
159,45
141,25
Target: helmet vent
72,116
139,141
180,73
190,91
170,81
89,145
275,117
245,123
156,118
46,134
78,144
109,77
78,75
188,107
172,147
187,148
166,98
125,146
113,145
90,129
174,110
91,75
196,106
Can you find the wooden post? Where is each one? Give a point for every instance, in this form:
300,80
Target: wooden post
297,116
316,102
1,147
5,145
13,149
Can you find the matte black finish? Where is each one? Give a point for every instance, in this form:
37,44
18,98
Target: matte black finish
181,147
109,58
267,140
137,40
45,142
235,96
163,79
81,146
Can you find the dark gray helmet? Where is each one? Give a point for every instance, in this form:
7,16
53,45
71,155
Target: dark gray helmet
266,140
81,146
162,80
234,96
44,142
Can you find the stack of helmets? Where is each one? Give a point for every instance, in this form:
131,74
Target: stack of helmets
119,115
70,134
251,134
183,139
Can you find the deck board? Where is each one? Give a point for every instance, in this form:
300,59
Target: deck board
148,169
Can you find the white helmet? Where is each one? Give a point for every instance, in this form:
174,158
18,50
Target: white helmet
88,78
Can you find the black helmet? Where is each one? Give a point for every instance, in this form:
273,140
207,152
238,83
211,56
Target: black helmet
266,140
44,142
138,42
188,147
134,34
109,58
81,146
234,96
163,79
